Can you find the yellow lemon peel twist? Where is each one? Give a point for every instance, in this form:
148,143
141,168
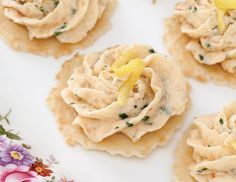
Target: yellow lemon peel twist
124,59
234,145
128,65
223,6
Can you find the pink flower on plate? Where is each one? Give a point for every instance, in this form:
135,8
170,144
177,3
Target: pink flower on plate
13,173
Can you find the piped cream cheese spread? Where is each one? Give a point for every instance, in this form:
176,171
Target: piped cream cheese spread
93,89
214,147
67,20
213,34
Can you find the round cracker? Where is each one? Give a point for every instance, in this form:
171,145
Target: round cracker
17,36
176,41
115,144
184,159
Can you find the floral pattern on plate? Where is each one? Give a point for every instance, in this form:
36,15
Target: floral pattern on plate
18,164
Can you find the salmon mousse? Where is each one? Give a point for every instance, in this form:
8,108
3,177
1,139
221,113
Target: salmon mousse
53,27
126,100
207,151
201,36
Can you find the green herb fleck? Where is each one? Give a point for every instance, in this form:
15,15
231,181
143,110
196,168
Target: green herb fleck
123,116
145,118
216,27
21,2
208,45
194,9
56,2
41,8
201,170
60,30
56,33
63,26
221,121
165,110
73,11
201,57
152,51
117,127
144,106
129,124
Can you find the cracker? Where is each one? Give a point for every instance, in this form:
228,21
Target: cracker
184,159
184,152
176,41
115,144
18,38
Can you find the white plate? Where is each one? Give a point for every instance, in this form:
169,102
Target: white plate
25,81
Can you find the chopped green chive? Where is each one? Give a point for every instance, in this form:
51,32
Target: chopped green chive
152,51
57,33
221,121
208,45
41,8
59,30
165,110
193,9
73,11
201,57
201,170
129,124
144,106
123,116
56,2
216,27
145,118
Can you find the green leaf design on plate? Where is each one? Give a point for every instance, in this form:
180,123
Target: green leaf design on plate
13,136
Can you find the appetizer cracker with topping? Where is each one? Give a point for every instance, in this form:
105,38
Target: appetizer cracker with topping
53,27
201,39
207,151
126,100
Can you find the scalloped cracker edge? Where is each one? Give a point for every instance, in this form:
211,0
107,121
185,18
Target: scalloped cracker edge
184,159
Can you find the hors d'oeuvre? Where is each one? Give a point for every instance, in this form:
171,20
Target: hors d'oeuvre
207,151
53,27
201,39
126,100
